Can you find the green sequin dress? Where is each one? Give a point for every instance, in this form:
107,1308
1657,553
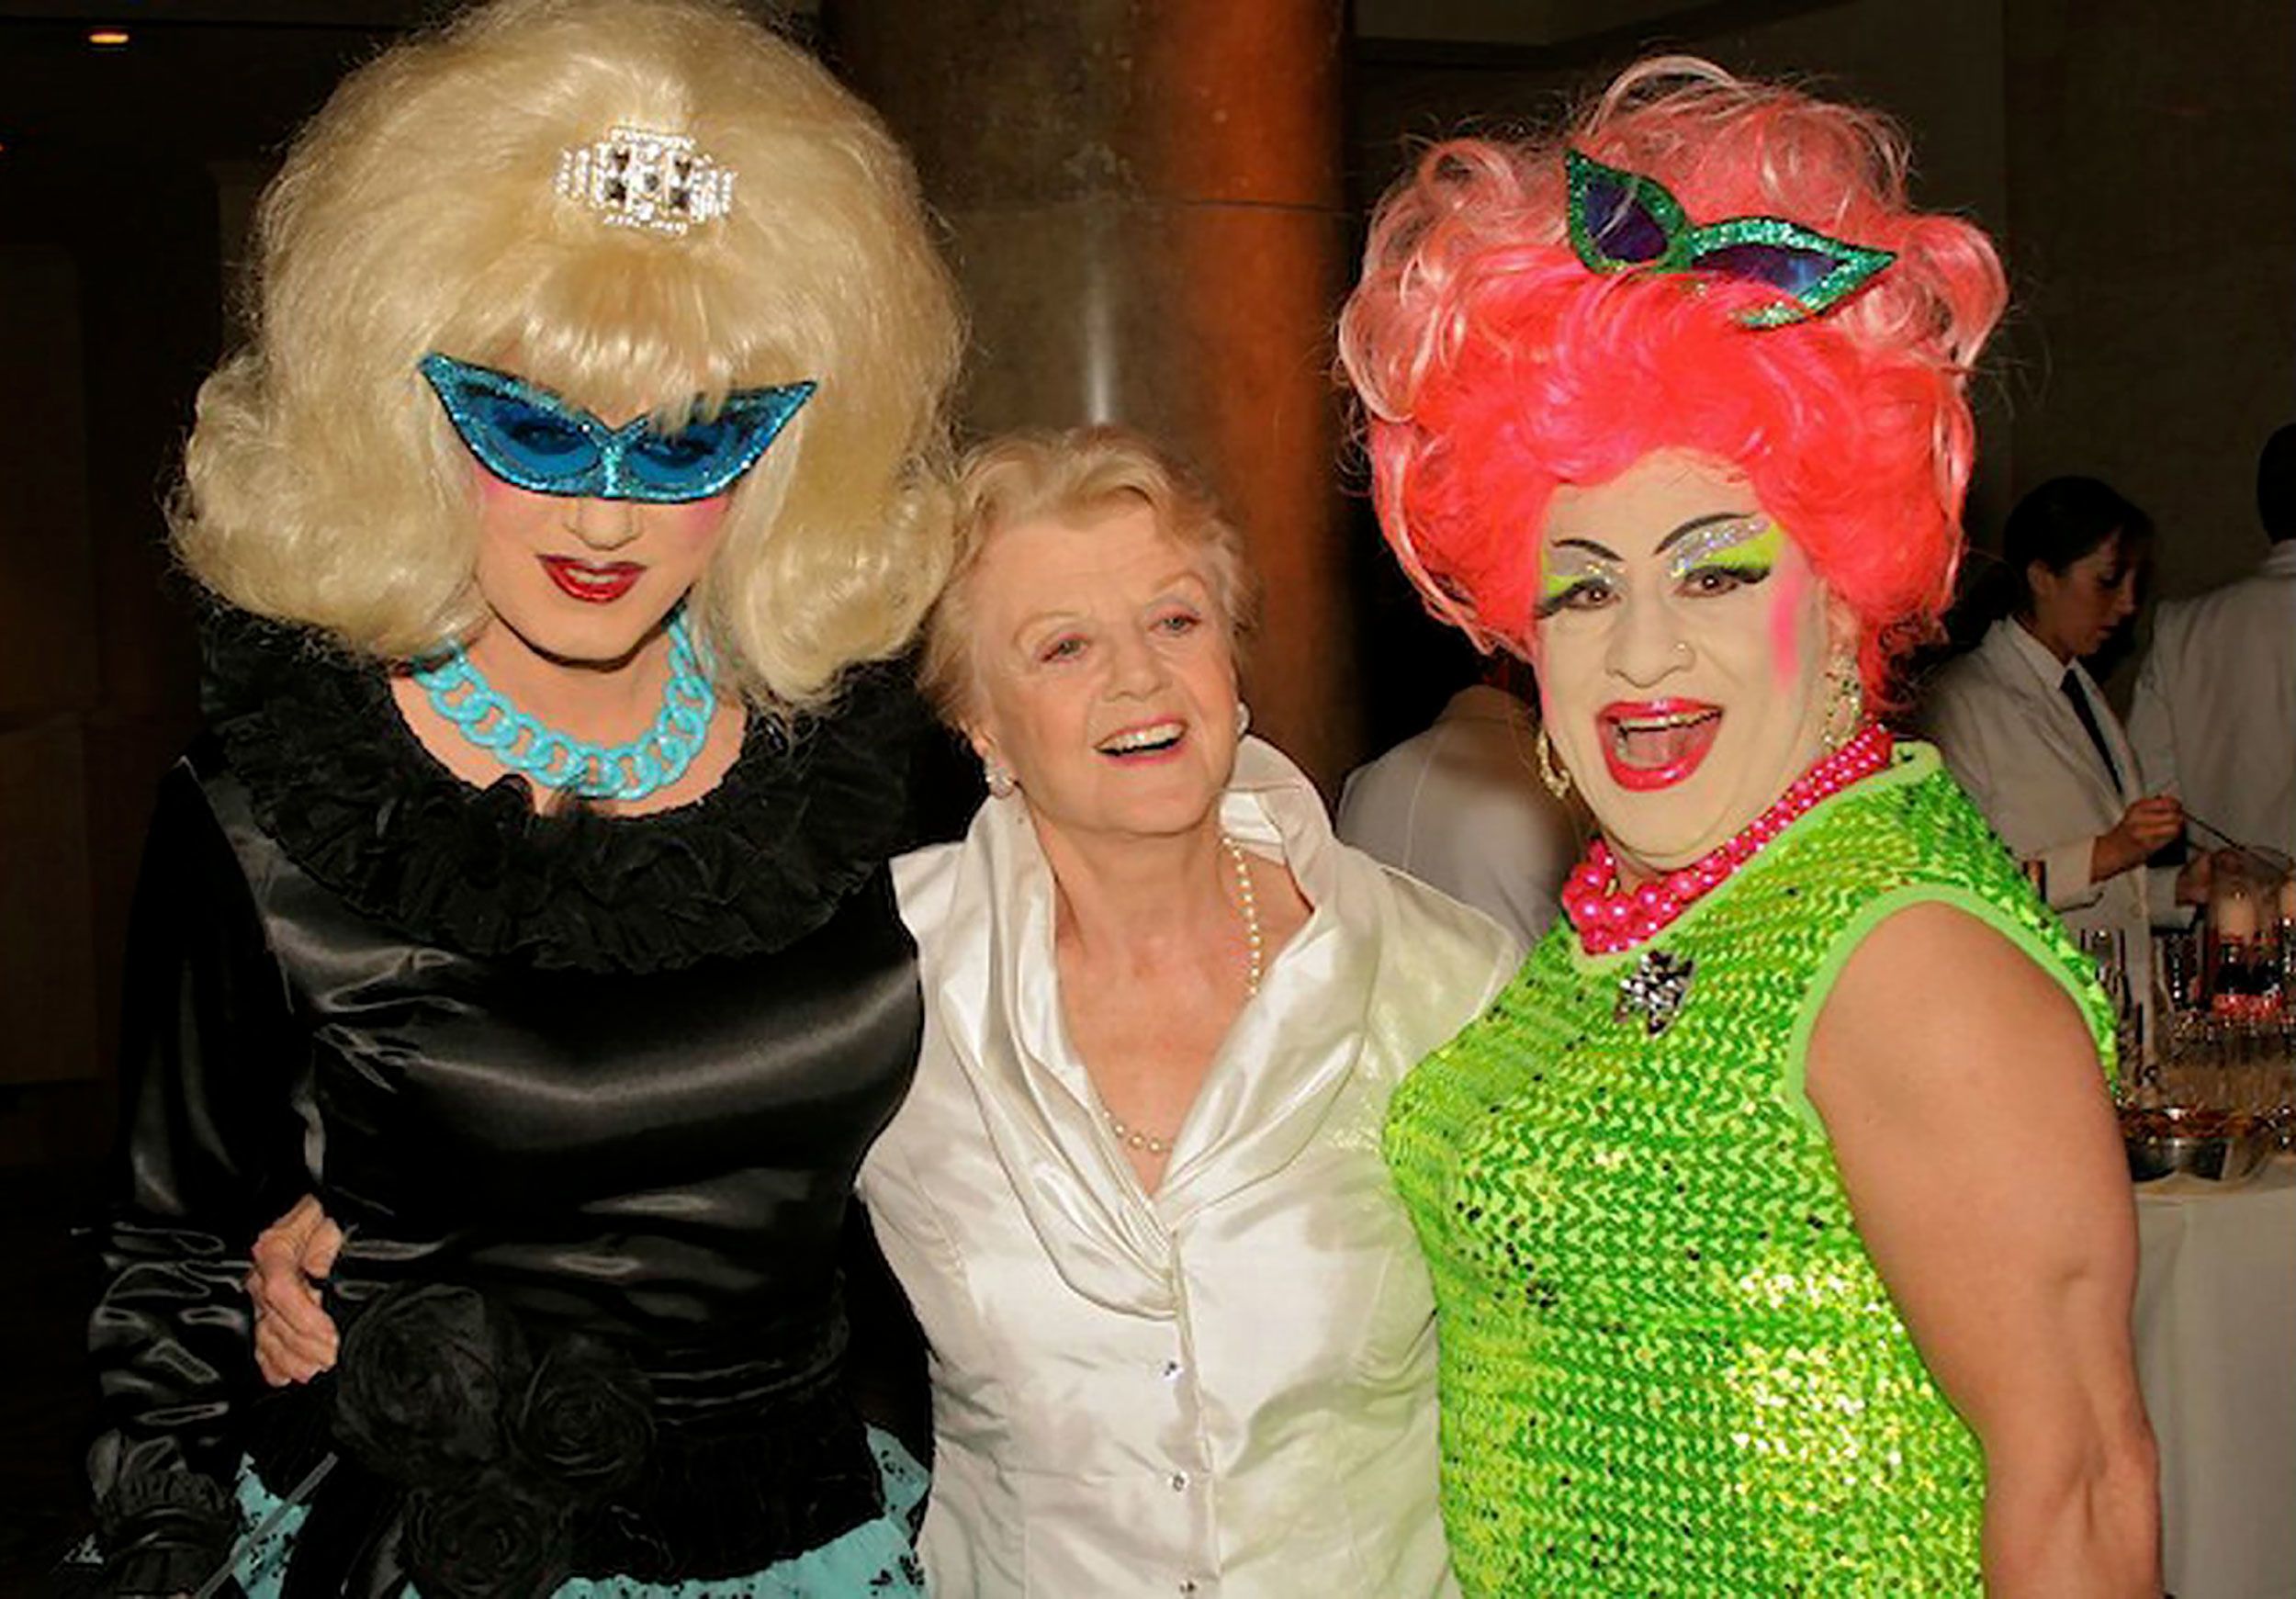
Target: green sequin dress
1668,1366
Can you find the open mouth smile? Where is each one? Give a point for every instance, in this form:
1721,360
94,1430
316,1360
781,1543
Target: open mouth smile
1148,741
595,583
1654,744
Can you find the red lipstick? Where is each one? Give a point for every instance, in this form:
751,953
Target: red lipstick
1655,744
593,583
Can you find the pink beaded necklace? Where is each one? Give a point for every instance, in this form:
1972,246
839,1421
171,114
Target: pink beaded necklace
1609,918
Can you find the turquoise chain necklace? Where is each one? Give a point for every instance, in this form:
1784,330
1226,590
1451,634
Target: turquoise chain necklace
624,771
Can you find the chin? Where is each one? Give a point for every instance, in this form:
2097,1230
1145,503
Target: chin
1179,809
589,640
1658,854
1664,834
1184,815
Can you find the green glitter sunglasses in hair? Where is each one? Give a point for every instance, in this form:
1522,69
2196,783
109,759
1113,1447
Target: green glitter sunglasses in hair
1622,222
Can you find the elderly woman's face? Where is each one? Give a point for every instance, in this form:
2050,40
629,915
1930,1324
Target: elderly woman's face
585,582
1105,677
1682,642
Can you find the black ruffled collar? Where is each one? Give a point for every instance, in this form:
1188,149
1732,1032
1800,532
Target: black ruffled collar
340,783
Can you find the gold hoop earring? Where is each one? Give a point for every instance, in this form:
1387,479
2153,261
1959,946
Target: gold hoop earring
1845,710
1550,771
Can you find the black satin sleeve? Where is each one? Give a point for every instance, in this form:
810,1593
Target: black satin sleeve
211,1152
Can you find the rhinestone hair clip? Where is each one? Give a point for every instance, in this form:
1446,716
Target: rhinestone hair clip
637,178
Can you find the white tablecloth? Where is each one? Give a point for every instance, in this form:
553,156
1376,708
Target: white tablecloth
2216,1353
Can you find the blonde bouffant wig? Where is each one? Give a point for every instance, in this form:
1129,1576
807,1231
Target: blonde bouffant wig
323,483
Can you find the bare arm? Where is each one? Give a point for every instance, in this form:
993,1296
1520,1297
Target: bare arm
1981,1158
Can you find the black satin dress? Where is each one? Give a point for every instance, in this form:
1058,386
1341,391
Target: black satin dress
587,1095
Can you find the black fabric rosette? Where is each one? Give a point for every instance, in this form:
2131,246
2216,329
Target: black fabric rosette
499,1533
493,1455
420,1383
497,1441
586,1420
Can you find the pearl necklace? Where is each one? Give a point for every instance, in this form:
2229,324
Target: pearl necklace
1255,948
1254,956
1609,917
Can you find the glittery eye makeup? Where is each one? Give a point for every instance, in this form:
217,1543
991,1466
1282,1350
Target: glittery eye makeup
1745,548
1574,576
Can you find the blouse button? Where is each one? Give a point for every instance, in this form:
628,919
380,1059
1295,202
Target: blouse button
1188,1585
1178,1481
1172,1369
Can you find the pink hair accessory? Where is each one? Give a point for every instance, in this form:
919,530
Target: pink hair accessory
1609,917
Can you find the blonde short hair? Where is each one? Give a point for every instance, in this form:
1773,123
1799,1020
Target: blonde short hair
323,484
1078,478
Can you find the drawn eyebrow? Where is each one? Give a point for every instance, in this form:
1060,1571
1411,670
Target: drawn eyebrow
1588,545
1668,542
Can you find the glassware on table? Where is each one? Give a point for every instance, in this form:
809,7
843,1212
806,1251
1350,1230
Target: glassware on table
2176,970
2226,1064
2267,1071
2230,944
2251,1050
2188,1073
2242,955
2285,927
2283,1108
2108,949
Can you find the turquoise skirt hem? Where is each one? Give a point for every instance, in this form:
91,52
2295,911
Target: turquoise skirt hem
878,1558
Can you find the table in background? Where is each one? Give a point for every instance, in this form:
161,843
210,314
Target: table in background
2216,1353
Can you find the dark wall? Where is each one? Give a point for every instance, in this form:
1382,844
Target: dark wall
2152,164
123,186
124,179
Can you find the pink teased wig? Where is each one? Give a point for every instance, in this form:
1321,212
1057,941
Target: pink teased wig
1495,366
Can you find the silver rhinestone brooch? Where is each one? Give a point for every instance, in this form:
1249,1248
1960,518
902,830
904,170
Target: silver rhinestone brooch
1655,990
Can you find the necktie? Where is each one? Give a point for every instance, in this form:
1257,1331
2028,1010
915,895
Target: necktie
2071,685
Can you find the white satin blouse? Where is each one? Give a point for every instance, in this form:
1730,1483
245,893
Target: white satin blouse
1225,1388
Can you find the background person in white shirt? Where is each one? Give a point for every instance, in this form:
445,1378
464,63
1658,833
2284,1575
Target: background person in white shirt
2028,732
1461,806
2214,716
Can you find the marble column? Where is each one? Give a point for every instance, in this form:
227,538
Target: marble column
1144,206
